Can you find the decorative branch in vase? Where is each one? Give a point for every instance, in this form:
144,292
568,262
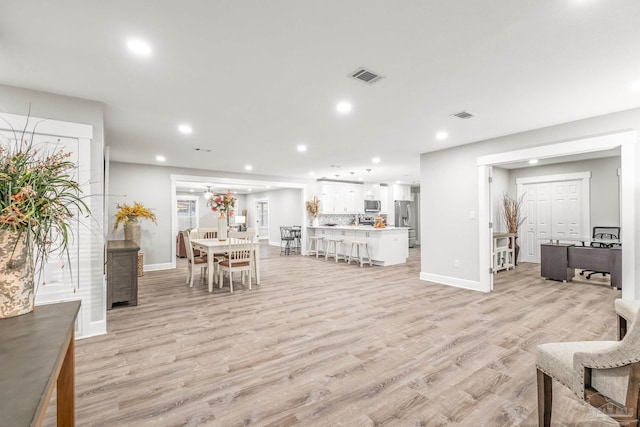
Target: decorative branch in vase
512,213
313,209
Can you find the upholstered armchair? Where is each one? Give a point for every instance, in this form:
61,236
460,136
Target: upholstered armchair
606,374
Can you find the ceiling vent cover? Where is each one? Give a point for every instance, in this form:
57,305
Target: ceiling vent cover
366,76
463,115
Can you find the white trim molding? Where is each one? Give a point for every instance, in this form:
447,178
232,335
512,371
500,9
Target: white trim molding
452,281
630,186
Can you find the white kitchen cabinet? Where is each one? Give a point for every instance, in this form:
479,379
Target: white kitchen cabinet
384,199
372,191
401,192
387,246
341,197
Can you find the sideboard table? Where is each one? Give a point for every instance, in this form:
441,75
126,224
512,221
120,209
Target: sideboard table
36,355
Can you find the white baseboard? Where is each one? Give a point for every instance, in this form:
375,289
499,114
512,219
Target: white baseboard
155,267
97,328
452,281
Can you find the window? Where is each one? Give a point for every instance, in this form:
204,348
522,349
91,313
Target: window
187,213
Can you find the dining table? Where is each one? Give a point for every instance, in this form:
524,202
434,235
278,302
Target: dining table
213,247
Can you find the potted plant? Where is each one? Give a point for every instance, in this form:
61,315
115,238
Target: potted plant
39,198
512,213
129,216
313,209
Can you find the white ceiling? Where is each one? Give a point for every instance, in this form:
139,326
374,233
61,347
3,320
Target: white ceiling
255,78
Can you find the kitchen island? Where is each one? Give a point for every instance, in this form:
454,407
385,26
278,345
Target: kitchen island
387,246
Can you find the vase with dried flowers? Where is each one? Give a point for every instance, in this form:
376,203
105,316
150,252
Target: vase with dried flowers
313,209
224,204
128,216
38,199
512,213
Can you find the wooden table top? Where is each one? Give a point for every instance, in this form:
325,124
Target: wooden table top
31,347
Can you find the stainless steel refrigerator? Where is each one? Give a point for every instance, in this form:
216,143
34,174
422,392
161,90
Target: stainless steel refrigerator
405,216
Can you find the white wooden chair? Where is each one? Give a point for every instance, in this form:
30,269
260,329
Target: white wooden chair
606,374
239,257
193,260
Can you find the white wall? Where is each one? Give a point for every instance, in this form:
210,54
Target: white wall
151,185
284,210
64,108
499,186
605,196
449,178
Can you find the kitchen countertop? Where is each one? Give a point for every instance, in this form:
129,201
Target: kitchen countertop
359,227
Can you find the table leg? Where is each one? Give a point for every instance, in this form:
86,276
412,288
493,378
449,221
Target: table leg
210,264
256,258
66,388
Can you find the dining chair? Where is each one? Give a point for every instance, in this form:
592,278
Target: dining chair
605,374
239,257
287,240
193,260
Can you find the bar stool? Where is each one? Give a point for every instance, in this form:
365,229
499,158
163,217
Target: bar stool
360,247
315,245
337,243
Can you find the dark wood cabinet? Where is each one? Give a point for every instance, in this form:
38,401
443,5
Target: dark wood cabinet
122,272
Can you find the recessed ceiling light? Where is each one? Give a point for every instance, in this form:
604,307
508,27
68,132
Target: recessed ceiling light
344,107
301,148
311,173
398,182
161,158
533,161
442,135
376,160
268,186
360,178
636,85
191,190
249,189
248,167
185,129
139,47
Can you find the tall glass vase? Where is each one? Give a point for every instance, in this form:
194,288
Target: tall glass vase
222,227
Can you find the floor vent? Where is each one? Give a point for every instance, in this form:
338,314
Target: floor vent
464,115
366,76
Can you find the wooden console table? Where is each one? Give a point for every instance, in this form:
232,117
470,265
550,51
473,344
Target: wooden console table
36,354
122,272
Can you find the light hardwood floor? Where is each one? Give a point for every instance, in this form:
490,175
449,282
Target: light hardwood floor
326,344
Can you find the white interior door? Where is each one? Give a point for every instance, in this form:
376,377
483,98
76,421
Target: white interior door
537,212
262,218
553,209
566,211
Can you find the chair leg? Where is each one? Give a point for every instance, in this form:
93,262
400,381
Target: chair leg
369,256
231,280
545,395
622,327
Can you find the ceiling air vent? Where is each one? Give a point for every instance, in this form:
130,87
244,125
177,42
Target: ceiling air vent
463,115
366,76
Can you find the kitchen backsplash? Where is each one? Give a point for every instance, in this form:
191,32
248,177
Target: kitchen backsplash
336,219
342,219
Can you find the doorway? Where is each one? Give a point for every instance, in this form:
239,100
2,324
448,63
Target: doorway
624,140
262,218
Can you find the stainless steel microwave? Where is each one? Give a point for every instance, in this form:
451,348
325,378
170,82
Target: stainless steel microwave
372,205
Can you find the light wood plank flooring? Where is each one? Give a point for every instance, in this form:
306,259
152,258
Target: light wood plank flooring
326,344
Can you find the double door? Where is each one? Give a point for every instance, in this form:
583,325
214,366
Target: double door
551,209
